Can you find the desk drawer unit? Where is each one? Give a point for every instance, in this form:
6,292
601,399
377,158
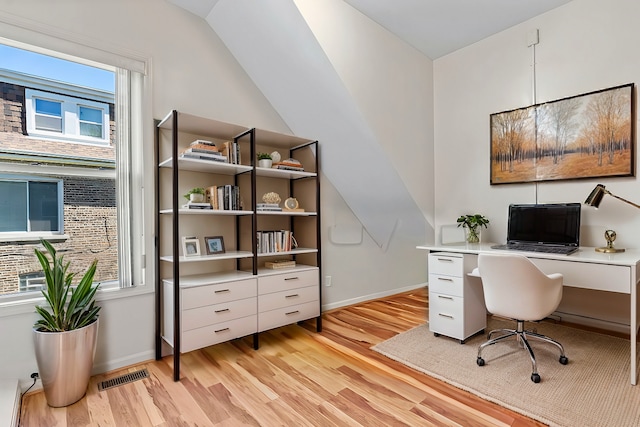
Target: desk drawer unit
456,303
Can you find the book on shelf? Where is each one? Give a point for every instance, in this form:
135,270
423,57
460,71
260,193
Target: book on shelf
194,205
280,263
208,154
204,142
268,207
271,241
225,197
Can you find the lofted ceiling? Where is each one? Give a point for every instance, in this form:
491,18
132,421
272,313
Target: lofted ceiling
435,27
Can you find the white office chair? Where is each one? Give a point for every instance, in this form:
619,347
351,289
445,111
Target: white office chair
515,288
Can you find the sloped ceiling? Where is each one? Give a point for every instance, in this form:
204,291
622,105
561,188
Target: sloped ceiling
435,27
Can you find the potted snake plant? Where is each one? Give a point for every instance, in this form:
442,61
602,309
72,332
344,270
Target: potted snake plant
66,334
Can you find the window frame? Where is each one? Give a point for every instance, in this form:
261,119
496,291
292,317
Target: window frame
29,235
40,39
70,107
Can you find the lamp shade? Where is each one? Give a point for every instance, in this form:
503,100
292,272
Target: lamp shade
596,195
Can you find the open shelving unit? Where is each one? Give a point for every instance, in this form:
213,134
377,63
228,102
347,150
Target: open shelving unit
206,299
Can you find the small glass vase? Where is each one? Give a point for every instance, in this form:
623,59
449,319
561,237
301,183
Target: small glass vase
472,235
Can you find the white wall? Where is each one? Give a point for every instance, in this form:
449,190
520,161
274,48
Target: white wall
584,46
192,71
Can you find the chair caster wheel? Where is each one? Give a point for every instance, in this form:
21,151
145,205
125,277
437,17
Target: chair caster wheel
435,334
564,360
480,361
462,341
535,378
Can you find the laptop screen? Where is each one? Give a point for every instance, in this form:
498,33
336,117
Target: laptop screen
555,224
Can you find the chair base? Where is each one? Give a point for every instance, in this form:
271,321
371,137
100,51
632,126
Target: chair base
522,336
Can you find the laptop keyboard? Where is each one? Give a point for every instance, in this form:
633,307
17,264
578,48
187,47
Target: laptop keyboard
564,250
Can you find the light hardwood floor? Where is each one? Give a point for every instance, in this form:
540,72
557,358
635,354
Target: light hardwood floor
297,378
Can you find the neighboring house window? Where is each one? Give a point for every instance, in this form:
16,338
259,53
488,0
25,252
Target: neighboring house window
32,282
30,206
65,118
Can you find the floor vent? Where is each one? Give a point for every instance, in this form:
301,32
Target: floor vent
123,379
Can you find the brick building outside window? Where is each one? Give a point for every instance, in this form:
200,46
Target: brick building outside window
57,178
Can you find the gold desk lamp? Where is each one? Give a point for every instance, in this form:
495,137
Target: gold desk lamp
594,199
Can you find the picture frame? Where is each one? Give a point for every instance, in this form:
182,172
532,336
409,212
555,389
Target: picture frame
190,246
590,135
214,245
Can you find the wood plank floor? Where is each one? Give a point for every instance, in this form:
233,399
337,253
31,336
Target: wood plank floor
297,378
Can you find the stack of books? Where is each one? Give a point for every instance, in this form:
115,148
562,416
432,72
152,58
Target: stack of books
289,164
271,207
203,150
280,263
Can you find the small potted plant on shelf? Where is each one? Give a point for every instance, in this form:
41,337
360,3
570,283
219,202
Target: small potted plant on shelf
195,195
472,225
264,160
66,335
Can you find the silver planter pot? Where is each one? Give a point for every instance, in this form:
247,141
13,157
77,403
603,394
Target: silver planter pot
64,361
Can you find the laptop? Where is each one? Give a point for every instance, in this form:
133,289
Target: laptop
548,228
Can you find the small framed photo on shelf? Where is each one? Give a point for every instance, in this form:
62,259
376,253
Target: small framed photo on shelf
190,246
214,245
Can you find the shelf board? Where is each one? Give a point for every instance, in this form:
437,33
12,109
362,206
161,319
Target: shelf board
207,212
292,252
286,213
282,173
262,271
203,126
193,280
217,257
197,165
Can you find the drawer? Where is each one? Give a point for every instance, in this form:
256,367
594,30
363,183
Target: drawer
446,285
211,314
446,315
287,281
287,298
285,316
219,293
446,264
220,332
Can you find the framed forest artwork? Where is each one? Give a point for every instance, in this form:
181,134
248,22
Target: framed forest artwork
584,136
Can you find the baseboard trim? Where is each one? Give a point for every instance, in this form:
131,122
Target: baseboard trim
123,362
370,297
592,322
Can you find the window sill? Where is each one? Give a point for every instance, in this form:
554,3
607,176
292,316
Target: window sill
17,305
33,237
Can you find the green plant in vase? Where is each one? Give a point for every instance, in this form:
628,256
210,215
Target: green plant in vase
473,224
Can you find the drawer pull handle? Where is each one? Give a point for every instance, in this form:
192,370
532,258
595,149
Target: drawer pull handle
291,296
222,330
443,297
292,312
222,291
222,311
444,279
291,278
445,315
445,259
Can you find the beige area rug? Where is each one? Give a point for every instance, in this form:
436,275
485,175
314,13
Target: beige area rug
594,389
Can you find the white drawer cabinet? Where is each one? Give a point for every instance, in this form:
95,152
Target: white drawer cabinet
456,303
212,313
287,297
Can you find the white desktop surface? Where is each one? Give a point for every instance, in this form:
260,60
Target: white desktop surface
585,268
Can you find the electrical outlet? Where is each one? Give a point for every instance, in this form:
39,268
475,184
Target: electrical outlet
327,280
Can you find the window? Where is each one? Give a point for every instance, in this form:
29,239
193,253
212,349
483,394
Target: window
30,206
76,178
48,115
65,118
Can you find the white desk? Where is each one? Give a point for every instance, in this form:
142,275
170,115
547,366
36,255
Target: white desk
585,269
